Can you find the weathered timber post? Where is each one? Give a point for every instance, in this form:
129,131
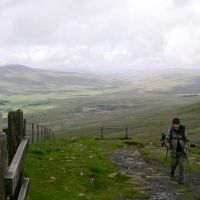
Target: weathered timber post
15,132
126,136
41,132
45,133
3,163
53,135
1,123
15,135
38,130
3,159
102,133
32,132
47,130
49,134
24,128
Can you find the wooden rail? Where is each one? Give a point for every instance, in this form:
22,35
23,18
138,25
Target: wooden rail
13,173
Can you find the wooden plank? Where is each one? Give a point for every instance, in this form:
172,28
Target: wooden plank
3,164
13,173
23,194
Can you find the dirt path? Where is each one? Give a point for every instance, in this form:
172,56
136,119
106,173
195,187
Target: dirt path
153,180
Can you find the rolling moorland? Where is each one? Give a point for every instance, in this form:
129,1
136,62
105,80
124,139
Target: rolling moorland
76,105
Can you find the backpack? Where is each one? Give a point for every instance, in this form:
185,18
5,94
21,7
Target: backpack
182,132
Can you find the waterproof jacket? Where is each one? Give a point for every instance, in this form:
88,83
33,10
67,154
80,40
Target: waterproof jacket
178,141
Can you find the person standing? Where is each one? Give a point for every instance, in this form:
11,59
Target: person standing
177,139
163,139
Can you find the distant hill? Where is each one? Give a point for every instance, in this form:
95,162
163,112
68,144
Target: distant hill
20,76
14,68
178,81
15,77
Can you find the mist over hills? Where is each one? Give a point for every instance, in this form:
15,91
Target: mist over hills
23,76
179,81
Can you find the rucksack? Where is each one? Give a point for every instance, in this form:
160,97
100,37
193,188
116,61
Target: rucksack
182,132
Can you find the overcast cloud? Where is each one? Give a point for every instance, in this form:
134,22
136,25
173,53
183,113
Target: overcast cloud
100,34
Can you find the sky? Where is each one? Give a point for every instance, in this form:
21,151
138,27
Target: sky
100,35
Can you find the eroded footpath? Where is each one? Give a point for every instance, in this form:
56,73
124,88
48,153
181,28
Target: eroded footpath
153,180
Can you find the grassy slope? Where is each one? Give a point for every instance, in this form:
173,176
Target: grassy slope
58,166
76,169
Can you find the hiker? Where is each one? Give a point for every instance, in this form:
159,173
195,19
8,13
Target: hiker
163,139
177,139
193,145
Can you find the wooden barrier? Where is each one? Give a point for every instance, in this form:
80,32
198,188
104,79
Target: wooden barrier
13,149
12,183
40,133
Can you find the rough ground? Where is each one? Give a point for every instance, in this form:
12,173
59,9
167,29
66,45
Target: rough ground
153,180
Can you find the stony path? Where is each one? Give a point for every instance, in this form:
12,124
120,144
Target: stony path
153,180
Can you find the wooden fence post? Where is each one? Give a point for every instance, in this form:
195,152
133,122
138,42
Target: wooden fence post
3,162
38,130
102,133
41,133
45,132
126,136
3,159
49,134
53,135
15,132
1,123
24,128
32,132
15,135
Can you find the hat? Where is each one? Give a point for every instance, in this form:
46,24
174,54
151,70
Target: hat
176,120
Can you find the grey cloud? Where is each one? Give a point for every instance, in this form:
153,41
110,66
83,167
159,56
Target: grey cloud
99,34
